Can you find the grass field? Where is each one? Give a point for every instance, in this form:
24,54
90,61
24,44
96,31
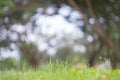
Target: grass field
61,72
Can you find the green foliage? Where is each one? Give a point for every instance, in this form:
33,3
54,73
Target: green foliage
65,53
4,4
8,64
61,73
24,65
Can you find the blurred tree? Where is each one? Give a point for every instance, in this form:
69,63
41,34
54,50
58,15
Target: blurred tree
102,17
31,54
14,12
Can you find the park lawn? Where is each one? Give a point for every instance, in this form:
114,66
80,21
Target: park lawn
64,74
56,72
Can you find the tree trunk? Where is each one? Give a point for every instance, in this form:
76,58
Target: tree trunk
96,27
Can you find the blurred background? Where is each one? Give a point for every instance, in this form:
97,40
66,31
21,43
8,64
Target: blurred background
85,33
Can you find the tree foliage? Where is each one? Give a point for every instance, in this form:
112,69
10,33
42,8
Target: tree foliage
5,5
101,20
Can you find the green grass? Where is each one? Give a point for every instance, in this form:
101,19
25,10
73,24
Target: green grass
60,72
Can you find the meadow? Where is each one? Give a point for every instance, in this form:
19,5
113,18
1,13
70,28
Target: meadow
60,72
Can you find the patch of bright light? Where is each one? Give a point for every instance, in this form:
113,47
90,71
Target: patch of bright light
13,46
31,37
40,10
89,38
56,25
91,21
64,11
13,36
3,34
50,10
79,48
42,45
18,27
51,51
5,53
76,15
